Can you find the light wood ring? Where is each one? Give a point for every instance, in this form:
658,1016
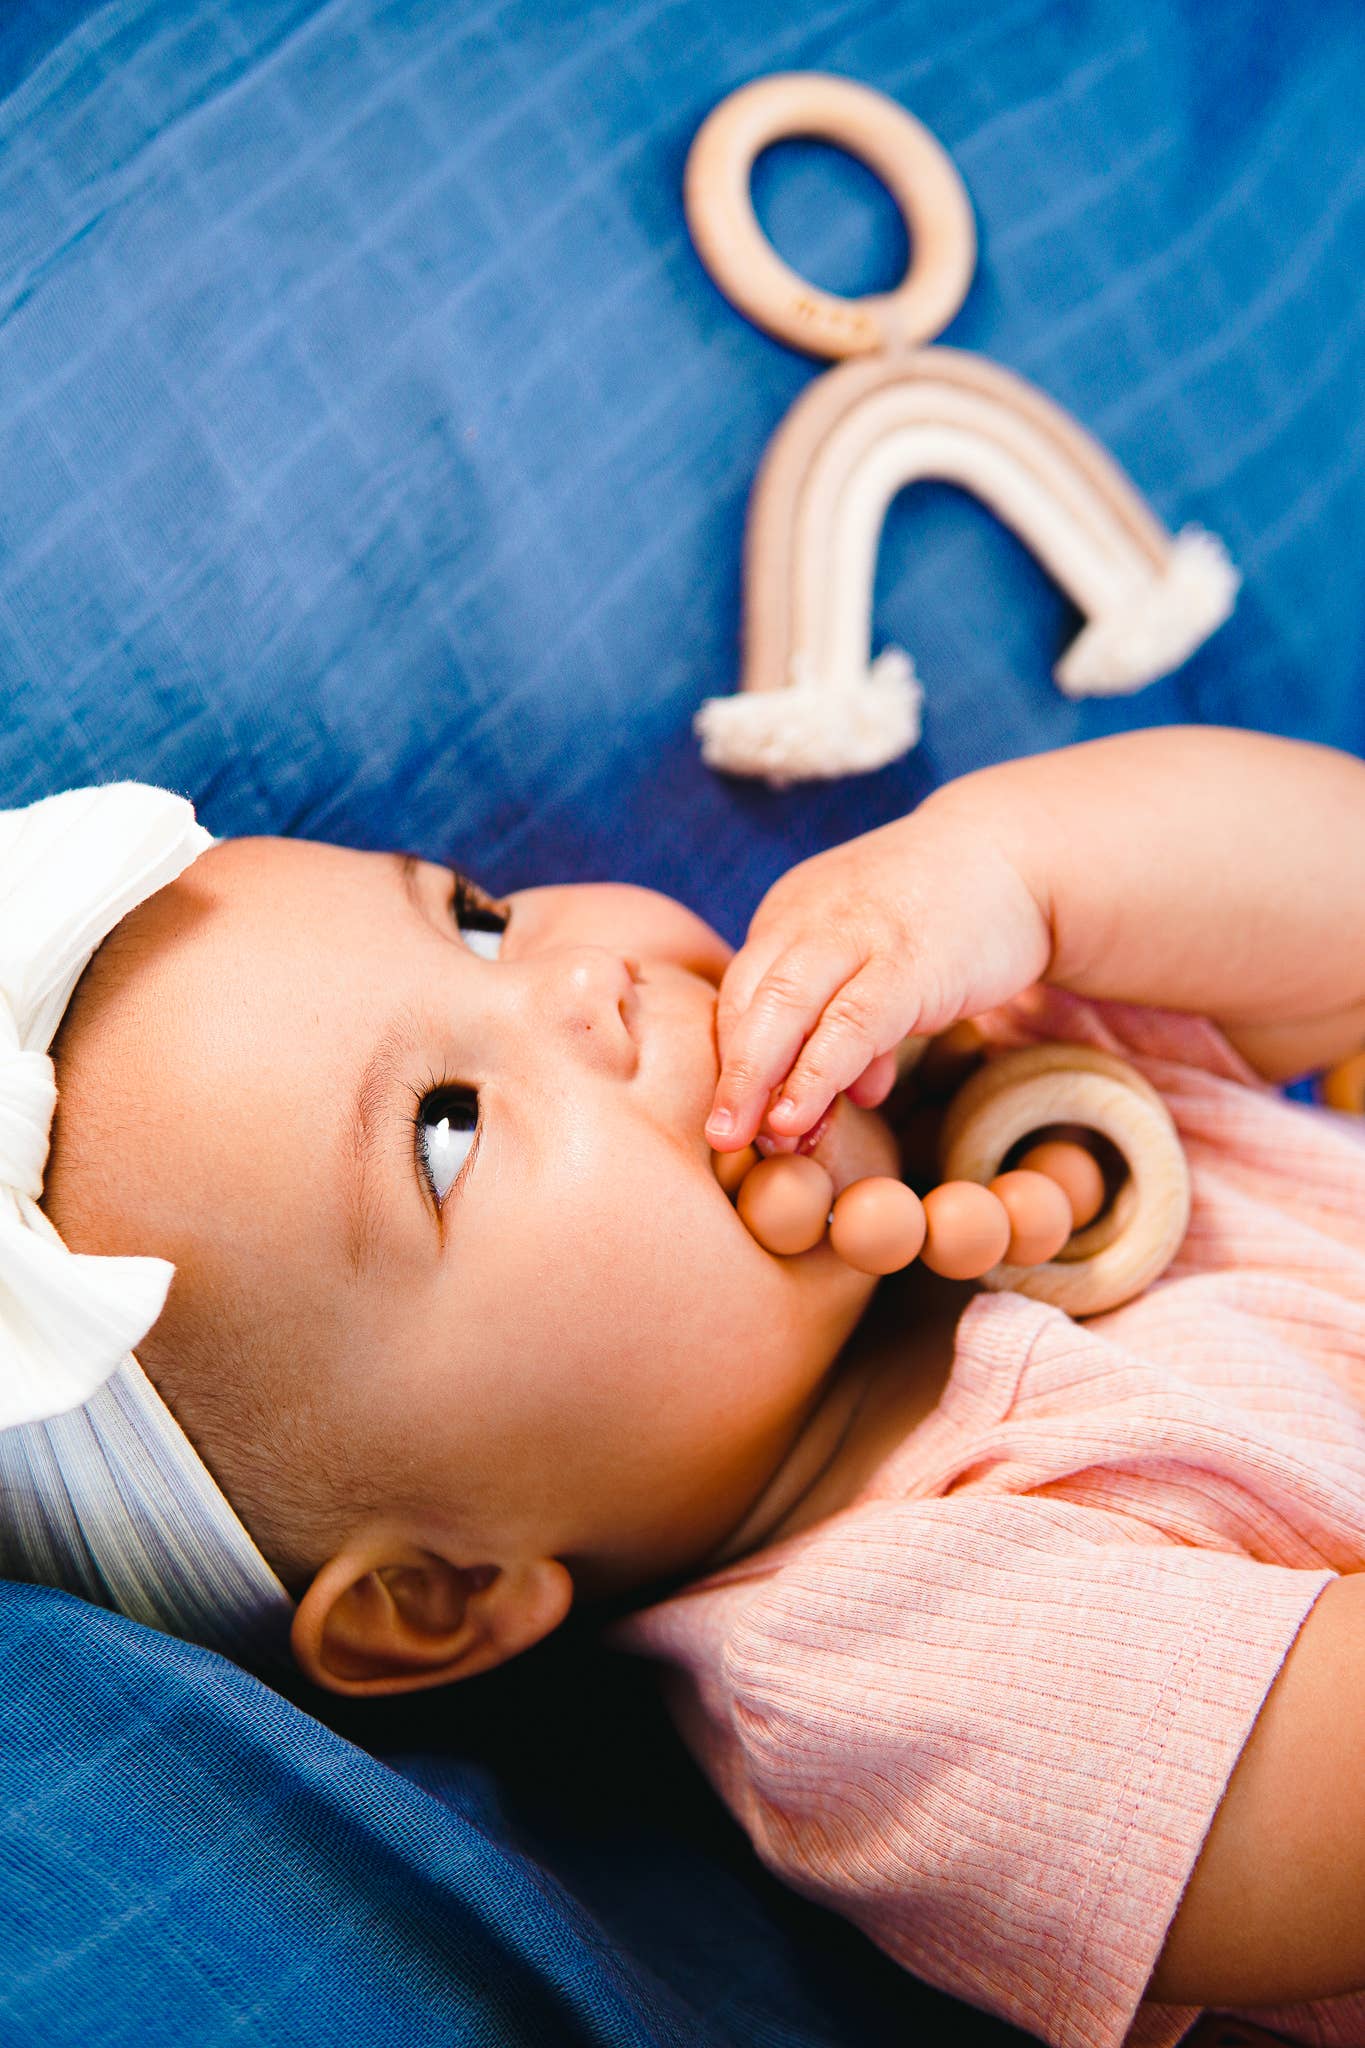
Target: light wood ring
1004,1072
911,163
1020,1092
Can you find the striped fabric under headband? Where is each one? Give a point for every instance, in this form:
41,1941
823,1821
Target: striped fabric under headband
101,1492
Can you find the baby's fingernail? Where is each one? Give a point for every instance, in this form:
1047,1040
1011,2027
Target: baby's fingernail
785,1110
720,1123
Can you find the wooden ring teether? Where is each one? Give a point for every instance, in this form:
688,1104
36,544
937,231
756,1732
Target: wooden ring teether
1001,1074
1125,1249
913,166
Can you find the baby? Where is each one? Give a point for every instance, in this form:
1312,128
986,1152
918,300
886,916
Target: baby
991,1627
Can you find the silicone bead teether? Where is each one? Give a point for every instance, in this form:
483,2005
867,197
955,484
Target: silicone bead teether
1039,1210
968,1230
878,1225
1044,1227
1075,1170
784,1202
731,1167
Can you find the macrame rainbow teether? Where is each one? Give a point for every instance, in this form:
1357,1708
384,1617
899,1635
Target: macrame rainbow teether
1041,1228
811,701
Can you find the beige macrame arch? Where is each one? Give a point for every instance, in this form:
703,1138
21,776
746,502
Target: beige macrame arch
812,702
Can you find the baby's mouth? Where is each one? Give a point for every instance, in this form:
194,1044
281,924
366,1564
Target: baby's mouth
807,1144
848,1142
818,1129
830,1140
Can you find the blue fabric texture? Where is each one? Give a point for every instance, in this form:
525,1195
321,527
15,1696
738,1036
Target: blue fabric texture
374,453
187,1857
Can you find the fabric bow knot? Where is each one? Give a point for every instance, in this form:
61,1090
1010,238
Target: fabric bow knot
28,1095
70,867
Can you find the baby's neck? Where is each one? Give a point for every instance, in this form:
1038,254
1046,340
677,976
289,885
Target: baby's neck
887,1379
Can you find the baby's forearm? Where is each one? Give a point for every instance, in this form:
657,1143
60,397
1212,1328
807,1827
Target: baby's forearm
1193,867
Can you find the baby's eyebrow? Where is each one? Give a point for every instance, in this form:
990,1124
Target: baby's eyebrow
378,1078
406,866
375,1088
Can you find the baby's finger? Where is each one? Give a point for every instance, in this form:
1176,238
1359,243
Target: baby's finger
741,978
859,1023
875,1082
768,1036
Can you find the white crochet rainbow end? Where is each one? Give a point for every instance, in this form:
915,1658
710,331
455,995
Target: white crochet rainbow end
813,729
1157,624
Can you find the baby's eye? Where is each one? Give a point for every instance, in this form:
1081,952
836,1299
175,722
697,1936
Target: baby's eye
446,1122
479,919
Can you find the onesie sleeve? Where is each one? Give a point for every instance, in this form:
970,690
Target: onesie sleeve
993,1733
1164,1039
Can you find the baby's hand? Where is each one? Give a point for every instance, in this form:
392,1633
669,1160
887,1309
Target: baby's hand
906,929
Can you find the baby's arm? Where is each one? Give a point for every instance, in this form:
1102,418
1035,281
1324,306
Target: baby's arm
1223,872
1275,1910
1190,867
1198,868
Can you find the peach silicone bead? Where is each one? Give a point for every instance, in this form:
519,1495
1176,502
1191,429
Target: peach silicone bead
878,1225
968,1230
731,1167
784,1202
1075,1170
1039,1210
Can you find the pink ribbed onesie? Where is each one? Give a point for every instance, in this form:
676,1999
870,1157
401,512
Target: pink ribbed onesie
988,1710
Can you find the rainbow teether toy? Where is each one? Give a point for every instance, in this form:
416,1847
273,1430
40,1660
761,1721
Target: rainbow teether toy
812,701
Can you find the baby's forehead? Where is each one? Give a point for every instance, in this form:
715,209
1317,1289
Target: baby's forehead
256,887
266,859
240,948
217,1035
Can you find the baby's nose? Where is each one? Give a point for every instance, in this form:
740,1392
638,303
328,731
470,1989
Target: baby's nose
597,1006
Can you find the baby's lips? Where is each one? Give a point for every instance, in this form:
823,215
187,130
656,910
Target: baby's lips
805,1141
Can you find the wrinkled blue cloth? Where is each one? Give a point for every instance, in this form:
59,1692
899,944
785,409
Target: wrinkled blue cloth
374,453
185,1857
375,448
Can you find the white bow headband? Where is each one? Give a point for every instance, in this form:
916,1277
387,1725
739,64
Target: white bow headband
101,1492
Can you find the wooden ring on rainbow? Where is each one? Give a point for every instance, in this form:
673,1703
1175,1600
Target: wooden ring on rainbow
1343,1086
1128,1246
912,164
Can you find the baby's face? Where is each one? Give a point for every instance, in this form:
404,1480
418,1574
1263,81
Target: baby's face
453,1157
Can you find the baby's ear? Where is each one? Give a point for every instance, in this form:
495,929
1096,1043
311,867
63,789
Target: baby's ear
388,1616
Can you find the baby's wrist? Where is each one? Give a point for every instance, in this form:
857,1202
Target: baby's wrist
998,807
